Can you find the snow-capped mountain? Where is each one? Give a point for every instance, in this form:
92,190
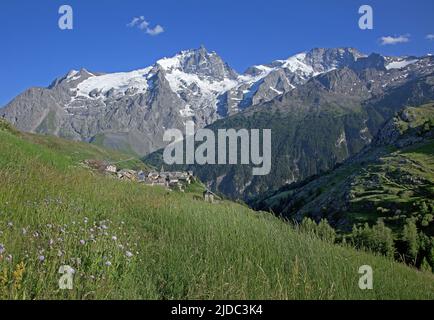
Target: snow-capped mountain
263,83
131,110
322,122
207,85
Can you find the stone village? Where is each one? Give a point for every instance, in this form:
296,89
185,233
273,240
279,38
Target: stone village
172,180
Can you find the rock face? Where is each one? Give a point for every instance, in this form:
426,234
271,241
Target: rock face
130,111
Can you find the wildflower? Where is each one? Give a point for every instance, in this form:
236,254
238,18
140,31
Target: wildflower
121,247
108,263
51,242
35,234
9,258
10,224
114,238
2,248
18,275
82,242
41,258
129,254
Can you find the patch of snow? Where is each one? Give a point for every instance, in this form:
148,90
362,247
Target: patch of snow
364,134
72,74
297,64
120,82
400,64
341,140
186,112
179,80
276,91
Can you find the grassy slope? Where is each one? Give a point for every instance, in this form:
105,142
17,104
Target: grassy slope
385,177
182,247
79,151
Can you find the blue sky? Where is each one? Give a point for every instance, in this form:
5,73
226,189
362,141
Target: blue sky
34,51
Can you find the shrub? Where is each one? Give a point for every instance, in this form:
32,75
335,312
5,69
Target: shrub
322,231
411,238
325,232
377,239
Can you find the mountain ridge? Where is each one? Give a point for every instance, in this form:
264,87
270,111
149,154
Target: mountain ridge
194,84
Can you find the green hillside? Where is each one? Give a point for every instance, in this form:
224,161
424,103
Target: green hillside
126,240
390,181
76,152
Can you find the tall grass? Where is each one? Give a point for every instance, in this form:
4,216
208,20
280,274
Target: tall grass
128,241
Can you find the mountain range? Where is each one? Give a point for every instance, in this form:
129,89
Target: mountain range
325,120
131,110
323,106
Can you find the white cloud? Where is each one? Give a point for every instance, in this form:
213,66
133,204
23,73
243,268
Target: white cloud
142,24
133,22
394,40
430,36
155,31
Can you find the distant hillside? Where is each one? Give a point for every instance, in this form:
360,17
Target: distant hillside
392,179
77,151
129,241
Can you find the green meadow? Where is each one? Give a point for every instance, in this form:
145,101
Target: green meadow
129,241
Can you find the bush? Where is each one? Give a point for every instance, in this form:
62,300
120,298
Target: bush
322,231
411,239
425,266
377,239
307,226
325,232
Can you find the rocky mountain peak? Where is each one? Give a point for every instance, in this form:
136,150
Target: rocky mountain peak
322,59
373,61
200,62
72,77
